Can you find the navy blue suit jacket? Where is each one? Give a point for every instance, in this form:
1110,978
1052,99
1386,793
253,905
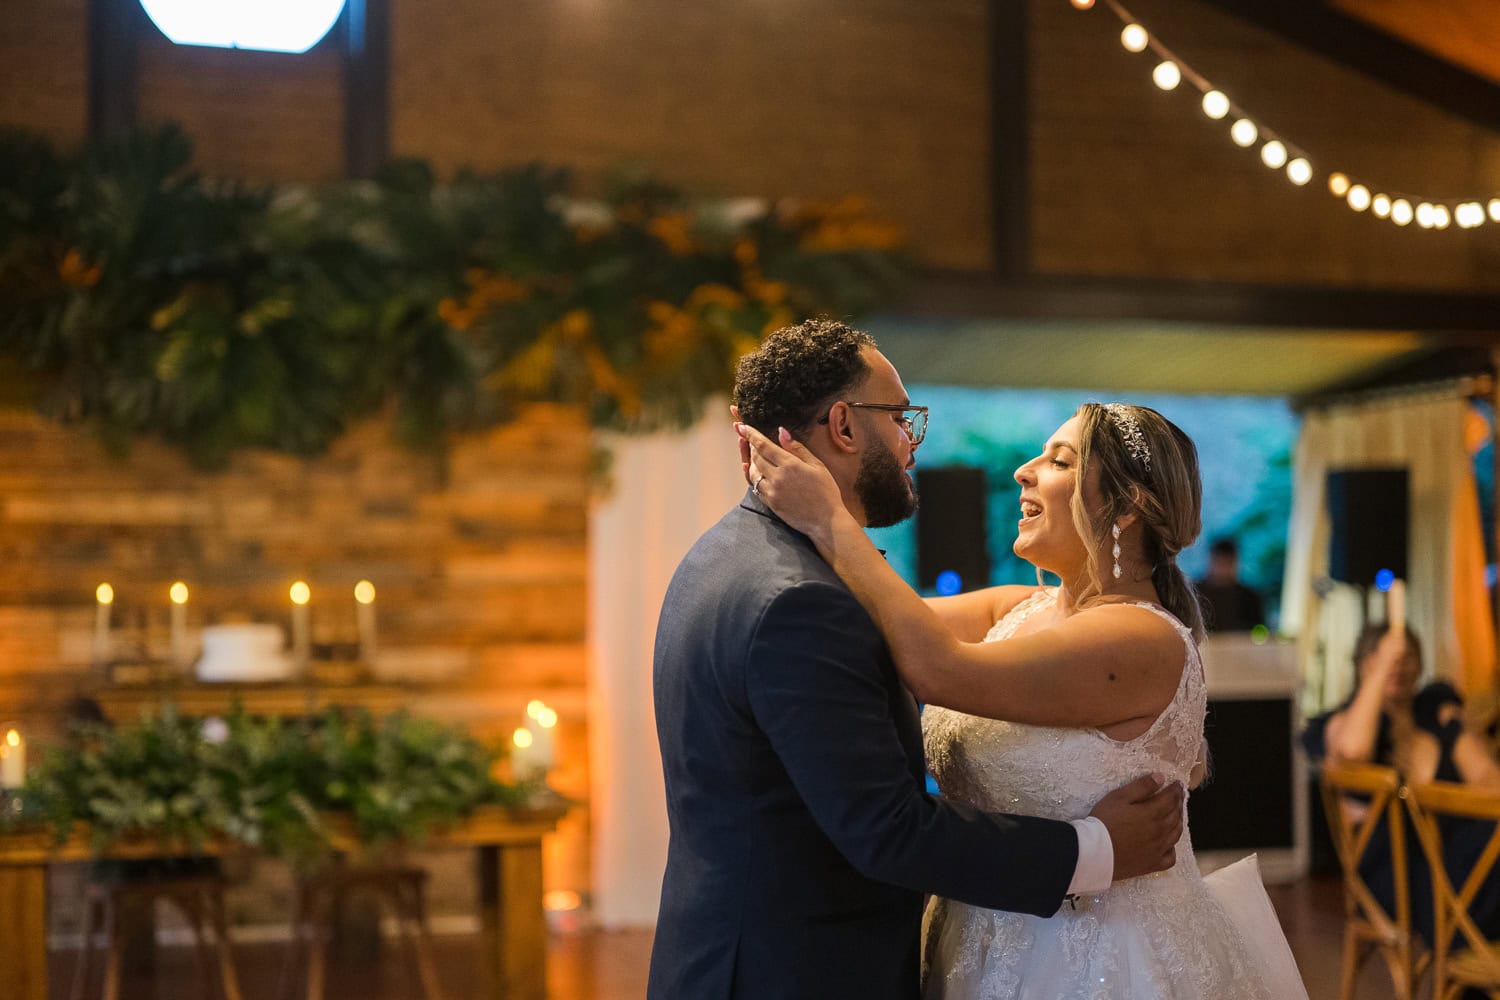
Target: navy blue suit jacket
802,835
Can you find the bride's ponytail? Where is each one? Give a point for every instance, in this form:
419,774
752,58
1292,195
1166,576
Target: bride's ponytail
1178,595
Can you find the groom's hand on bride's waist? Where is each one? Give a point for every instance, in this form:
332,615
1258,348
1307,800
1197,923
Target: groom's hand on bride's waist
1144,820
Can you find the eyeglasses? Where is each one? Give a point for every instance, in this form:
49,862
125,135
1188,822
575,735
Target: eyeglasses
913,418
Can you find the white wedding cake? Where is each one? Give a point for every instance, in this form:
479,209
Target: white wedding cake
244,653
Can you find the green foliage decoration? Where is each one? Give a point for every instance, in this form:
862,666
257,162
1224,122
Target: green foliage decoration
268,783
140,299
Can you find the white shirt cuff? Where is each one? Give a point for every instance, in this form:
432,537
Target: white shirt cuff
1096,858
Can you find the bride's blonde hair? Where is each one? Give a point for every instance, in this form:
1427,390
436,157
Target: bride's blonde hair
1161,487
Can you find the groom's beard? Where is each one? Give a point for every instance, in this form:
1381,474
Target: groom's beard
884,489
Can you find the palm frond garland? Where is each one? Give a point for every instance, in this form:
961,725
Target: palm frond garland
141,299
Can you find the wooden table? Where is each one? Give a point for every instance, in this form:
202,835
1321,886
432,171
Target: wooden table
508,849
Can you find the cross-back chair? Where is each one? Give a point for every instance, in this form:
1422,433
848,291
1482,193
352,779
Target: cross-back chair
1463,956
1359,800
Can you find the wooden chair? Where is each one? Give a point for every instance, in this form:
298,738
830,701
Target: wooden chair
1462,956
1368,925
401,888
111,906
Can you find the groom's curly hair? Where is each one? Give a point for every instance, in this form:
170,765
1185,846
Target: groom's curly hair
798,371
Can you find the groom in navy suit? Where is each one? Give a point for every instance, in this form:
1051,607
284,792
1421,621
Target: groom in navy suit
802,835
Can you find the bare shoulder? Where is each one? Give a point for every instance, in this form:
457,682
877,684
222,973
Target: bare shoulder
1131,632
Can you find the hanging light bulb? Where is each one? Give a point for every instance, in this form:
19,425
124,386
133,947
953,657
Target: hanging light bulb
1215,104
1338,184
1425,215
1244,133
1134,38
1440,217
1469,215
1273,154
1380,205
1401,212
1359,197
1299,171
1166,75
1495,209
1083,4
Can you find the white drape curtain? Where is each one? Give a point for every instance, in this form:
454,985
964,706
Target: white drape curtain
1447,602
667,490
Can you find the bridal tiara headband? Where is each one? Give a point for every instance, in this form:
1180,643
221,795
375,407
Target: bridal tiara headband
1130,432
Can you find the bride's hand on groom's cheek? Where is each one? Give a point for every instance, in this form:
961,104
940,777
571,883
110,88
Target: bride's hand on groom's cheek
1145,821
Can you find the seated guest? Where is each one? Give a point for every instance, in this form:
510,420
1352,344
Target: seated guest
1228,605
1422,735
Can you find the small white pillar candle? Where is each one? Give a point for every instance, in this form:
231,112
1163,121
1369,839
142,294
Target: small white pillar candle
364,610
301,594
12,759
521,765
541,722
179,595
104,599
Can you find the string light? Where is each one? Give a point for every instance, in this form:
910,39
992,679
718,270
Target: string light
1134,38
1276,151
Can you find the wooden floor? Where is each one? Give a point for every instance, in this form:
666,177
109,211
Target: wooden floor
596,965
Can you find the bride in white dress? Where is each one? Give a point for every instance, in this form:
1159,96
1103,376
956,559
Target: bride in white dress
1098,681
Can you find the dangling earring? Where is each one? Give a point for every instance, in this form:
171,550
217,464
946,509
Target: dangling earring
1116,532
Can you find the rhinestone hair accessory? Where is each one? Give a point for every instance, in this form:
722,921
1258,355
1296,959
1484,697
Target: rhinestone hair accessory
1130,431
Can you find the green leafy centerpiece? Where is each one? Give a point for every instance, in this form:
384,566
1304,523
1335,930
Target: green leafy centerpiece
268,783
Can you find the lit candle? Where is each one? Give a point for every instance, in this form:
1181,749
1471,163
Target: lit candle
12,759
541,722
364,595
520,754
301,593
179,595
104,597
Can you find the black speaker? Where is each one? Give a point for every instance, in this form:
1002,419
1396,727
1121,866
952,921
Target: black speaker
951,526
1248,800
1368,509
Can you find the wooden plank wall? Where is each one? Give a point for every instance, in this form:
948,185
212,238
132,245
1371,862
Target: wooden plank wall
479,559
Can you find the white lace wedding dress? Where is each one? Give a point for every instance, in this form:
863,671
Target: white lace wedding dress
1169,936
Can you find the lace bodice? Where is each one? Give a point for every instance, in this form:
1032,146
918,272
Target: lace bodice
1159,937
1061,773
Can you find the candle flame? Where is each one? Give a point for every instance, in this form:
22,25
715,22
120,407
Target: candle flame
178,593
522,738
13,738
364,592
547,719
301,593
105,594
535,707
